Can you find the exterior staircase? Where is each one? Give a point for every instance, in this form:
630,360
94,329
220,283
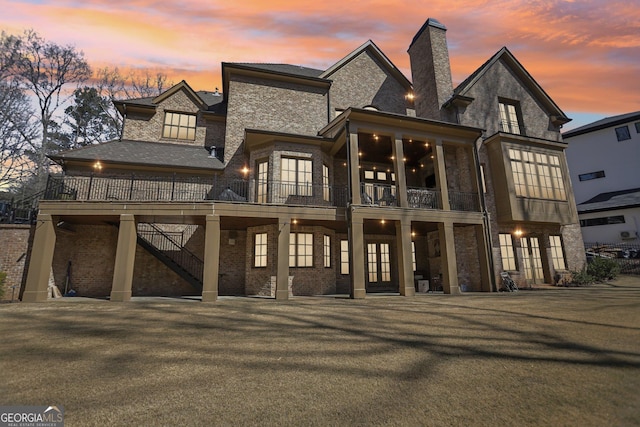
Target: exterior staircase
168,247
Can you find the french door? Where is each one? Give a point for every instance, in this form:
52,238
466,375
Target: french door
378,267
532,261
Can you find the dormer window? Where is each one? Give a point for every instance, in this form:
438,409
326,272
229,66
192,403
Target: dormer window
179,126
510,120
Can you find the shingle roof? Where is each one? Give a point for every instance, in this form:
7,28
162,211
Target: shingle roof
297,70
215,103
145,154
602,124
611,201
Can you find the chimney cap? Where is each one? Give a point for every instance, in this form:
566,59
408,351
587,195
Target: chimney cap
431,22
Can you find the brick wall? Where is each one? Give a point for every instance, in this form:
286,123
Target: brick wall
144,128
15,241
364,81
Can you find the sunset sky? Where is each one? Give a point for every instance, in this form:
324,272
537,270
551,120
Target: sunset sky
585,54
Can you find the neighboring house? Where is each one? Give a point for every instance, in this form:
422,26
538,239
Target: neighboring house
300,181
604,161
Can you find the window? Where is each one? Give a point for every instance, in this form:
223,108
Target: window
262,178
296,177
591,175
327,251
537,175
509,117
413,256
557,253
325,183
344,257
507,253
622,133
260,250
301,250
617,219
372,262
179,126
637,125
484,183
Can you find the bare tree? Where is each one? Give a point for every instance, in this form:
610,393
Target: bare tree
46,68
17,129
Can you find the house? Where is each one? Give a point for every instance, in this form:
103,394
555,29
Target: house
603,161
298,181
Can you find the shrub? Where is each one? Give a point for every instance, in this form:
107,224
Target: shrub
603,269
581,278
3,277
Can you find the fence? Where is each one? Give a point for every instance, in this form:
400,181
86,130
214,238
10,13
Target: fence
627,255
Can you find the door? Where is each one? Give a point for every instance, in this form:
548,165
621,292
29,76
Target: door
531,260
378,274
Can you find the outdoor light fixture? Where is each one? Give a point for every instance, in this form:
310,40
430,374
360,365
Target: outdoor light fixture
97,165
410,96
245,170
518,232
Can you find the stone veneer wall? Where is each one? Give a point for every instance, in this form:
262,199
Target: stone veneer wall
364,81
467,257
144,128
15,239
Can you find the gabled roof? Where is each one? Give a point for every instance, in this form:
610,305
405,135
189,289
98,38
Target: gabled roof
205,100
516,67
142,153
370,47
607,122
297,70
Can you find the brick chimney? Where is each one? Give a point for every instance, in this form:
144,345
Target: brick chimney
431,71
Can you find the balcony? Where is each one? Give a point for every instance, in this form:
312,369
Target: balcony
163,189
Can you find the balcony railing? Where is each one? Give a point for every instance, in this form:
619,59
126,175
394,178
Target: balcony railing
423,198
144,188
512,127
460,201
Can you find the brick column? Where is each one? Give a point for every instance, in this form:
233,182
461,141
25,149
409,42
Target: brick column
211,259
282,274
44,242
441,175
356,257
483,256
448,258
405,260
125,259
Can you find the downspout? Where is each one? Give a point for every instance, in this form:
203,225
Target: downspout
124,120
485,219
348,207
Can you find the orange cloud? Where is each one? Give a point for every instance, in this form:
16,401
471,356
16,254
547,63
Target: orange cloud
584,53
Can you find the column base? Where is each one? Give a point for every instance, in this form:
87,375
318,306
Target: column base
209,296
35,296
120,296
358,293
408,292
282,294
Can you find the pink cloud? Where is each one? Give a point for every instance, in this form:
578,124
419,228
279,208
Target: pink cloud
584,53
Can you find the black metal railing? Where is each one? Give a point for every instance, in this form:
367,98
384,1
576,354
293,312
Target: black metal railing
144,188
21,210
461,201
424,198
625,254
378,194
168,243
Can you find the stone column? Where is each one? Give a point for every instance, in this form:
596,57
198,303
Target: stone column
448,258
401,177
483,257
125,259
44,242
356,257
405,260
353,168
441,175
282,274
211,259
